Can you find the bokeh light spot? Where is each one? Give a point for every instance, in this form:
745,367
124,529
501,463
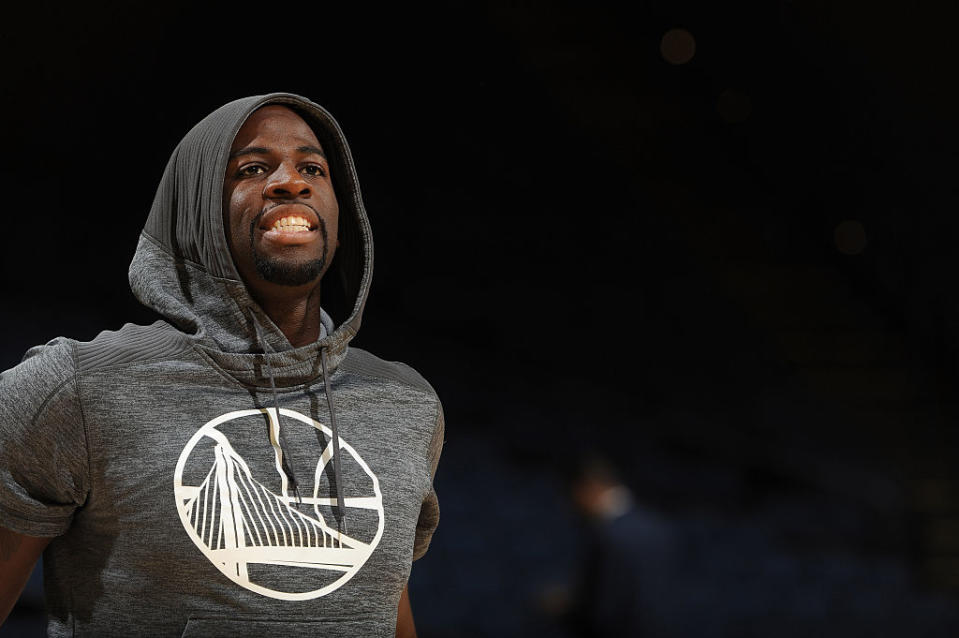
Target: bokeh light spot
850,237
678,46
734,106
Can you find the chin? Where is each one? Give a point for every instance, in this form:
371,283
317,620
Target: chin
284,273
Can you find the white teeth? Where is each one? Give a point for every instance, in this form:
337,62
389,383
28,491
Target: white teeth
291,224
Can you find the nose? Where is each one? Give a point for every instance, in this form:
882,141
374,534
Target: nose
286,182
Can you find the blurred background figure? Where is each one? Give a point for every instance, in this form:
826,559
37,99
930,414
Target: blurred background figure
625,586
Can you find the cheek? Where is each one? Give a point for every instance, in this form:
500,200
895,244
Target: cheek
334,227
332,214
237,215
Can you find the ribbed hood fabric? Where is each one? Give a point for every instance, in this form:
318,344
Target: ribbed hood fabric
183,269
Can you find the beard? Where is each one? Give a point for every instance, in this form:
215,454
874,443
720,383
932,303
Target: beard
286,273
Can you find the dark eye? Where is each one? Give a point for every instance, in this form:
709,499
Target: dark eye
251,169
314,170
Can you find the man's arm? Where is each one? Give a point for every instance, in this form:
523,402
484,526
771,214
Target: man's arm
18,555
404,617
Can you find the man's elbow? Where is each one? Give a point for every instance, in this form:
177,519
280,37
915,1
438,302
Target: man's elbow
18,555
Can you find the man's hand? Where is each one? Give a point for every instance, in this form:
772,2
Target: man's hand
18,555
404,617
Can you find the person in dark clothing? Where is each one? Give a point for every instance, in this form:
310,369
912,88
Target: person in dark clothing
625,584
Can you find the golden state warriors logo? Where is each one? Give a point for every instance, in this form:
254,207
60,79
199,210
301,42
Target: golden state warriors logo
253,530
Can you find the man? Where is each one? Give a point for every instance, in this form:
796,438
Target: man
627,580
235,468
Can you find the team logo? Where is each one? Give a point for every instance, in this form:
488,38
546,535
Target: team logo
253,529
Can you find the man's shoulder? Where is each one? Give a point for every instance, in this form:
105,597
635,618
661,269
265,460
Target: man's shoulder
131,344
53,361
44,372
363,363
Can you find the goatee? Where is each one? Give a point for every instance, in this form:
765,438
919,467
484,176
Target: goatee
286,274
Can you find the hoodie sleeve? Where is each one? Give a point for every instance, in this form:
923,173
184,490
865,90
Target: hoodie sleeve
43,448
430,510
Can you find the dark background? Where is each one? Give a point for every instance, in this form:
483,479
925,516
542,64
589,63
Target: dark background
732,272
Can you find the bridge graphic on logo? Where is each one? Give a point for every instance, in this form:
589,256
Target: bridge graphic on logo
236,521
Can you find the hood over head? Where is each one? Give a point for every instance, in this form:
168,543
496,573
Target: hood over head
183,268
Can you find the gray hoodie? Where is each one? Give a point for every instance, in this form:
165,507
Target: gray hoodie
201,476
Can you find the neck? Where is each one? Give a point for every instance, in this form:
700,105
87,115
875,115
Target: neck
294,311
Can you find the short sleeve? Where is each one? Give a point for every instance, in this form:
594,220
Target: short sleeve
43,448
430,509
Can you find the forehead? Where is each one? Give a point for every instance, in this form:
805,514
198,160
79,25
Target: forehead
276,124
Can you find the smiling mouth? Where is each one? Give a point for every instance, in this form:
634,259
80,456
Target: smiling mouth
292,224
289,223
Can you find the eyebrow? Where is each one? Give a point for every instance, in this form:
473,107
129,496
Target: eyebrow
312,149
250,150
260,150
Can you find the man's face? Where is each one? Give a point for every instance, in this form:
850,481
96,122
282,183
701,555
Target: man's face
279,208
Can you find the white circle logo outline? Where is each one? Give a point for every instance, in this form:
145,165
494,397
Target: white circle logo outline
184,496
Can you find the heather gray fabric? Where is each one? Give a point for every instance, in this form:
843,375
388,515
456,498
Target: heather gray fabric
154,453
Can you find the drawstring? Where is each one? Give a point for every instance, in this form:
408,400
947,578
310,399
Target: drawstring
337,477
287,469
340,511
